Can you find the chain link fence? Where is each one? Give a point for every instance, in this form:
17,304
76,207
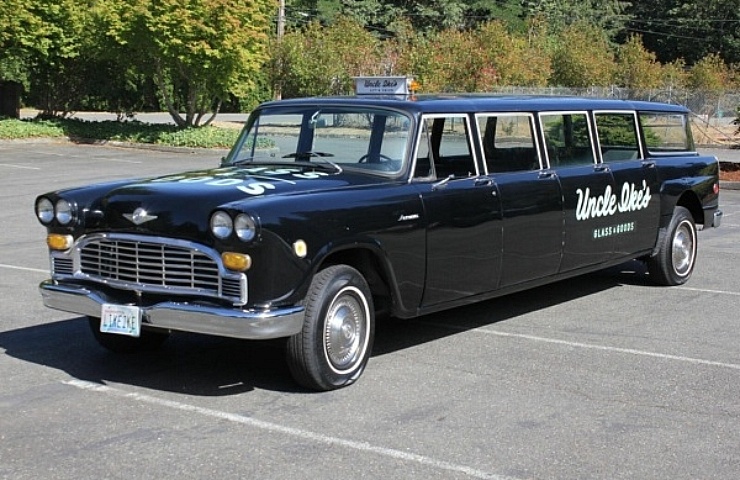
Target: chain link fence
713,112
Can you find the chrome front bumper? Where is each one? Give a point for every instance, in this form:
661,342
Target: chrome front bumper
183,316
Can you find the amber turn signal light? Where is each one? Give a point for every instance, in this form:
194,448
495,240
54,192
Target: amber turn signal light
59,242
239,262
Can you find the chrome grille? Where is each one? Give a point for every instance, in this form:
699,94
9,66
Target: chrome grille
149,264
158,265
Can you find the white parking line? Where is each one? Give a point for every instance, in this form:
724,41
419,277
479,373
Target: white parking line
285,430
25,269
591,346
722,292
118,160
22,167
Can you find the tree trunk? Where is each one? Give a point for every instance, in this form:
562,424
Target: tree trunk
10,99
159,81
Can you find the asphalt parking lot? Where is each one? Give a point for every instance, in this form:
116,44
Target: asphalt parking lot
600,377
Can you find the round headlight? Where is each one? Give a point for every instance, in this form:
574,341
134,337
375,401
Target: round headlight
64,212
245,227
45,210
221,224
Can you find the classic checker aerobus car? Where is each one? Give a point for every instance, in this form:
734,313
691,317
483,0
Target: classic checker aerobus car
329,212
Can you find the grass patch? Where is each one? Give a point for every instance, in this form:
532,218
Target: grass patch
134,132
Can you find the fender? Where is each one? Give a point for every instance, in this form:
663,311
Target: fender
350,251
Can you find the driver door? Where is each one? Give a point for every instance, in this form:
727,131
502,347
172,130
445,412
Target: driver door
462,213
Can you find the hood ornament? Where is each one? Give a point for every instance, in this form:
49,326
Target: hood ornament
139,216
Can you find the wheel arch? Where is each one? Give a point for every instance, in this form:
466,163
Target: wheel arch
690,201
371,264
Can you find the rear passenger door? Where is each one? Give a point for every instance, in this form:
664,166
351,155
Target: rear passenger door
532,210
635,224
587,188
461,212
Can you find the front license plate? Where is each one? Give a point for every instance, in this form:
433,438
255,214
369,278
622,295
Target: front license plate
121,320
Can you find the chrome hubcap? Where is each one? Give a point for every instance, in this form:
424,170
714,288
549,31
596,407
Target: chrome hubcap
683,249
346,330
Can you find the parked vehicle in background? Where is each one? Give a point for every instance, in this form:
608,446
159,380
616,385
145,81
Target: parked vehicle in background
331,211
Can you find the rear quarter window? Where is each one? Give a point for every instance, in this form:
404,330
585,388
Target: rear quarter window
666,132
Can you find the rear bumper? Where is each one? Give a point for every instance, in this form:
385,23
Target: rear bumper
183,316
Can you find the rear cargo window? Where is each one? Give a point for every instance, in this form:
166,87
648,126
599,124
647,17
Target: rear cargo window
666,132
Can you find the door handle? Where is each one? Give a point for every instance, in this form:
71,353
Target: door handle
483,182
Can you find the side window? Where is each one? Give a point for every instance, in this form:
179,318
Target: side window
666,132
567,139
444,148
508,142
617,134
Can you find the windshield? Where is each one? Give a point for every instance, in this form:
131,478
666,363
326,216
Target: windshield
346,137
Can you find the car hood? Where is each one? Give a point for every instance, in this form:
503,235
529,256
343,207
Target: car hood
180,205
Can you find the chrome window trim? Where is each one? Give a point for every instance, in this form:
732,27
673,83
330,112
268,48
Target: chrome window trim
641,149
469,137
532,126
589,122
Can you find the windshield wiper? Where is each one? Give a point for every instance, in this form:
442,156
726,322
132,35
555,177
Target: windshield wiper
306,156
242,161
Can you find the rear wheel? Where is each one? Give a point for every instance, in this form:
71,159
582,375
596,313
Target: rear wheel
148,340
676,256
334,346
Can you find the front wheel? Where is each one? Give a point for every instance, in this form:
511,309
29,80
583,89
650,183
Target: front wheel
334,346
147,341
676,256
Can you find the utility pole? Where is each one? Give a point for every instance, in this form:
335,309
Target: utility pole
280,34
281,21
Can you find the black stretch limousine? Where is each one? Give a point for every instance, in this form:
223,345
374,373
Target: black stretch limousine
330,211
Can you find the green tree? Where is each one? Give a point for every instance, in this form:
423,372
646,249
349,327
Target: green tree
300,13
709,73
321,60
21,34
424,15
510,13
36,37
381,16
442,67
637,68
198,52
515,58
583,57
610,16
689,30
57,77
709,79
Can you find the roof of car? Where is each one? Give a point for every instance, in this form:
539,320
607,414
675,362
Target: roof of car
471,103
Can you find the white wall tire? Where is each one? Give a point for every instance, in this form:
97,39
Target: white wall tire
674,261
334,346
